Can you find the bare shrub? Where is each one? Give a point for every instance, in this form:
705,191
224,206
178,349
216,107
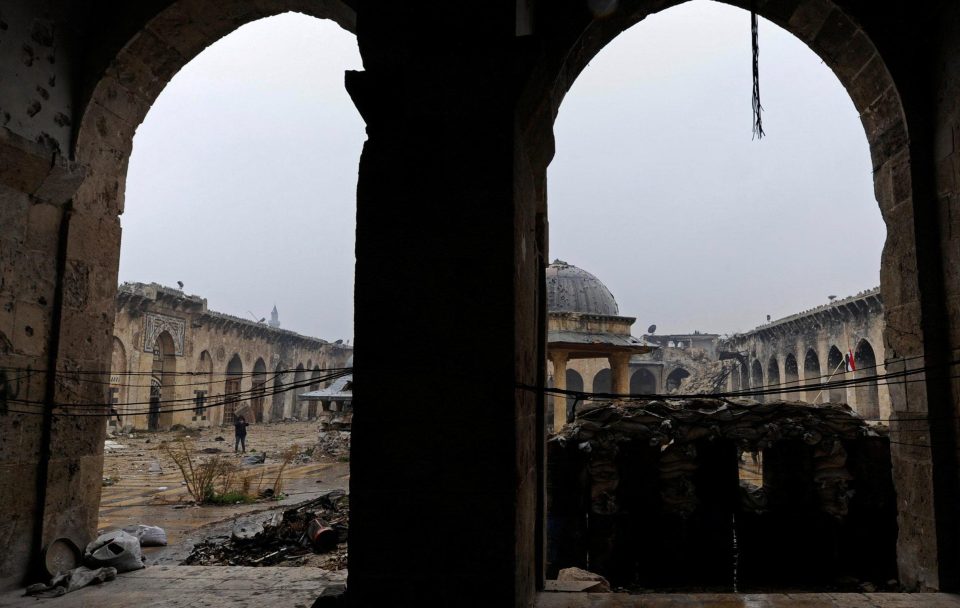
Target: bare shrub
205,479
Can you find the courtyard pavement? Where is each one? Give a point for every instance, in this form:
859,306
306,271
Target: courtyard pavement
194,587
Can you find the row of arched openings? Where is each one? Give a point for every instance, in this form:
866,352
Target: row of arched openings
642,382
164,379
812,376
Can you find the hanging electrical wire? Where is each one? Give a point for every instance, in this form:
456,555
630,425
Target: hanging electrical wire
755,48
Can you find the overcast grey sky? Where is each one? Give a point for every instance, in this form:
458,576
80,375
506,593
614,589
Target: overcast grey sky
242,179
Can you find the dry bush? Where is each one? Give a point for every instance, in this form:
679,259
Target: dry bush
207,480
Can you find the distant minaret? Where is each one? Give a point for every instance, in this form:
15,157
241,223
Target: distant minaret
274,317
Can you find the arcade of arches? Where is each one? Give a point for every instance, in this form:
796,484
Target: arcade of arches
811,348
459,100
160,329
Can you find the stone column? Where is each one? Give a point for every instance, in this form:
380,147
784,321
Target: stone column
559,360
438,223
619,373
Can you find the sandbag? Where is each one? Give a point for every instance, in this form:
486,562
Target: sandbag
115,549
149,536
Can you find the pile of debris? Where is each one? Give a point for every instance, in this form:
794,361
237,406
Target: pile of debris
708,377
334,436
676,426
318,526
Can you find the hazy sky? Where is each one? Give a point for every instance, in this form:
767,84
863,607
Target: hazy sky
243,176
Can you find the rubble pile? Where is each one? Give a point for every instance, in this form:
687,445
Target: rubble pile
708,377
651,494
676,426
333,439
318,526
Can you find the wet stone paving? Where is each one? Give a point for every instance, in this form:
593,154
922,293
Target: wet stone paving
142,485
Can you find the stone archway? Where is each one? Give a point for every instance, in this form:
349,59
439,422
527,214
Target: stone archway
847,48
811,377
836,370
163,382
773,376
868,393
232,396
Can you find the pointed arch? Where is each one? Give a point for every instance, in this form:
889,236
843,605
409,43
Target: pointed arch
231,389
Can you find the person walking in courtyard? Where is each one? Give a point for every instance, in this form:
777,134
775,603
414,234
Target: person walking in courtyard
240,434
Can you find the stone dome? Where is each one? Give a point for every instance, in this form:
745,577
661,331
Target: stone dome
572,289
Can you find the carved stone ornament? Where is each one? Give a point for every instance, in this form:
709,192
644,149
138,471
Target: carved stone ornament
154,325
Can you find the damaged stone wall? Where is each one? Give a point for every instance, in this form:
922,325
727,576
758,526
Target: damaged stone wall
459,100
819,339
206,343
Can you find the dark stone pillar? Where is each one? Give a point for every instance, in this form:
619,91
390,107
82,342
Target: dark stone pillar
443,480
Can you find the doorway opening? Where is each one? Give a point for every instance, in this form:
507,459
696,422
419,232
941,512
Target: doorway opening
698,484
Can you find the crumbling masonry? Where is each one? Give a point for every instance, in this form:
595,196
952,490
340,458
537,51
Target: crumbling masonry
459,100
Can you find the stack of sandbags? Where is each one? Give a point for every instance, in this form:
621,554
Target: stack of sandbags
676,425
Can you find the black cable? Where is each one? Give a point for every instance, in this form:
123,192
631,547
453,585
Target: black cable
234,398
250,391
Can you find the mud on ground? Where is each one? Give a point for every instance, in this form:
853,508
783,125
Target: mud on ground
143,485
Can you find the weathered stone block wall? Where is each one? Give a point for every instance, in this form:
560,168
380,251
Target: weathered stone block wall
459,100
75,81
218,337
49,468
